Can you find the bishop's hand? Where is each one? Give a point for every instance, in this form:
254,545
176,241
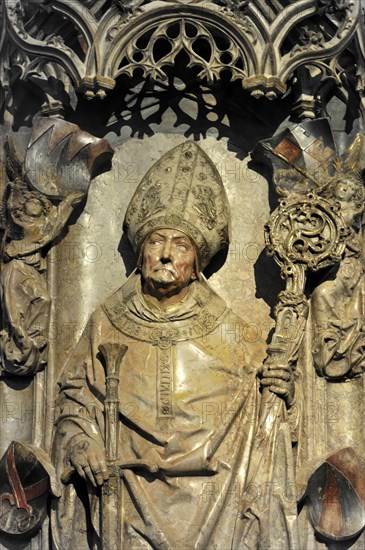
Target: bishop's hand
88,459
279,378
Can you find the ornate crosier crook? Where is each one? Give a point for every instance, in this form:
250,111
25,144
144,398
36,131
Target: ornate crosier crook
304,232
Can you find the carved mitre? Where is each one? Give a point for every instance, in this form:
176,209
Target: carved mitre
184,191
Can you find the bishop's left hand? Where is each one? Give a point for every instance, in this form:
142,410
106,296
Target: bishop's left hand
279,378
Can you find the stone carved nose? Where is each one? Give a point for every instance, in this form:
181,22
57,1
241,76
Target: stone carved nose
166,252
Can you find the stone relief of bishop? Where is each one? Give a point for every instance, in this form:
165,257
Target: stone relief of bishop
186,395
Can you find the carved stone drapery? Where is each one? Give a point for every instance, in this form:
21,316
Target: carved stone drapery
298,54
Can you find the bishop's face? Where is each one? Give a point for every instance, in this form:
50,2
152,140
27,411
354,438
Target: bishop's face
168,260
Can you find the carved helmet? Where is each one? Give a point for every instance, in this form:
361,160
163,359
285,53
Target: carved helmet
184,191
26,480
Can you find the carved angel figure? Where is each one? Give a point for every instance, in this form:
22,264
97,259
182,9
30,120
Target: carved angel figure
338,302
33,224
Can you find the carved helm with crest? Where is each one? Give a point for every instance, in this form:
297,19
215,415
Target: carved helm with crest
183,191
305,159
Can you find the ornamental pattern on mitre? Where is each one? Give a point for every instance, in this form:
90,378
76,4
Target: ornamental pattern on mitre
183,190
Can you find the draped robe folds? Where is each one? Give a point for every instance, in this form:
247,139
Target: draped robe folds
189,405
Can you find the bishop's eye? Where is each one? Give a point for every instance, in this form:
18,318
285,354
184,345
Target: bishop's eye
154,241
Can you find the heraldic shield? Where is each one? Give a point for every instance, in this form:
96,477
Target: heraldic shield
336,496
24,489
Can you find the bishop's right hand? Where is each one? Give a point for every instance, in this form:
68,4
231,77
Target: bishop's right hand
88,459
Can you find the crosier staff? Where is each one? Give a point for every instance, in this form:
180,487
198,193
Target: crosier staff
112,502
304,232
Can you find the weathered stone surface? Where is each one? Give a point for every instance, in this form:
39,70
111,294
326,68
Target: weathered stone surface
148,77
